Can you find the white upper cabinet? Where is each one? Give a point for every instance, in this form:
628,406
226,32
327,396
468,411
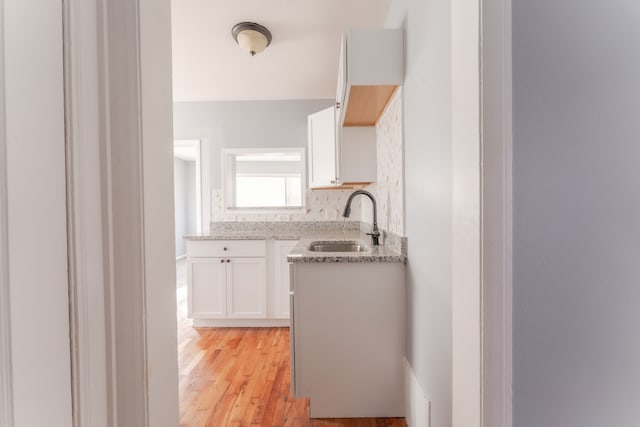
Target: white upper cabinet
323,165
340,156
342,139
371,68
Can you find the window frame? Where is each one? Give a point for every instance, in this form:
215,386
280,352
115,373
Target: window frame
228,155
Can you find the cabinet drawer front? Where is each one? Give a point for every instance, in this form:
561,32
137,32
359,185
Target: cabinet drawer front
226,248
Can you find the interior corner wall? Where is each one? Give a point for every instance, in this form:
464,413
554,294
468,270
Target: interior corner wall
576,213
427,114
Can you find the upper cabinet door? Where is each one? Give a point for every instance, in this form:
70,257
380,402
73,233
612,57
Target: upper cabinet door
342,80
370,70
322,149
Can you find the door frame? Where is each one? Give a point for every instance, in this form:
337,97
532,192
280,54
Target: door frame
496,212
122,261
139,85
6,388
91,391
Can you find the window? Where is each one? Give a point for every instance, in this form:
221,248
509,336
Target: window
264,180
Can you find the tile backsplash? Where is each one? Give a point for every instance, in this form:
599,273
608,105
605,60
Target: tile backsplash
389,187
322,205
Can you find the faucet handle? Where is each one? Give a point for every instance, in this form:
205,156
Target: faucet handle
375,237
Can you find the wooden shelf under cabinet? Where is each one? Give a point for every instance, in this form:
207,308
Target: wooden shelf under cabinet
366,104
345,186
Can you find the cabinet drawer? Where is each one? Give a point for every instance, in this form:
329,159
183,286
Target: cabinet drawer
225,248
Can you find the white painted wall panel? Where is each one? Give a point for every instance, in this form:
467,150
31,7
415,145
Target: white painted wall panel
160,273
37,212
428,191
180,200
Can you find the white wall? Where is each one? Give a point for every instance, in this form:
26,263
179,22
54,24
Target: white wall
179,201
37,240
184,193
244,124
191,226
160,273
253,124
442,202
428,196
466,328
576,225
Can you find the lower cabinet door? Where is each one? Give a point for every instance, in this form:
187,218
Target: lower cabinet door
207,288
246,288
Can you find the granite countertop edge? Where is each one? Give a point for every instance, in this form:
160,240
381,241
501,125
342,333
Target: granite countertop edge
301,254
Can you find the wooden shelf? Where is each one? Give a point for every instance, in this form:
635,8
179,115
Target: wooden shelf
345,186
366,104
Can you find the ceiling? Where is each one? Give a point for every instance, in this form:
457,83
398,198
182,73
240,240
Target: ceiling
300,63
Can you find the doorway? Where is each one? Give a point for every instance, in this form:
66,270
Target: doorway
187,187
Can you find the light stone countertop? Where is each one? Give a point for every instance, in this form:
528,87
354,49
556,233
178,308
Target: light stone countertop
300,252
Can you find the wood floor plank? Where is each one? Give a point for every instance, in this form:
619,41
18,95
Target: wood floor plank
240,377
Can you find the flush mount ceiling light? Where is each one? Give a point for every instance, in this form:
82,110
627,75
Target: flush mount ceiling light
252,37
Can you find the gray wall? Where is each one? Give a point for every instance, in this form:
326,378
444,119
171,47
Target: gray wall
576,307
428,194
243,124
240,124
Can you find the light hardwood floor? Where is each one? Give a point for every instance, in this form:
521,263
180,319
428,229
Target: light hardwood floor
241,377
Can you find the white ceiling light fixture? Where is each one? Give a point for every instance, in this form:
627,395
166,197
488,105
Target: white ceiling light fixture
252,37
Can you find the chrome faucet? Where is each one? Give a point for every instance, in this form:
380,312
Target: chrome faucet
375,233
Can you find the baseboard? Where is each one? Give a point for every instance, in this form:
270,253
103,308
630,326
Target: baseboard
178,258
417,406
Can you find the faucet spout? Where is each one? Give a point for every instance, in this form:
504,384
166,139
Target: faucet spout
375,233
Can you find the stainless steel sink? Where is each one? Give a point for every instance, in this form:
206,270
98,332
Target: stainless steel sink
337,247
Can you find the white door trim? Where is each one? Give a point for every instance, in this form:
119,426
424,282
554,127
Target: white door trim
496,212
84,216
118,107
125,212
6,389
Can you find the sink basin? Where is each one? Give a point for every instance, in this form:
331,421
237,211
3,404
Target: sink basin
337,247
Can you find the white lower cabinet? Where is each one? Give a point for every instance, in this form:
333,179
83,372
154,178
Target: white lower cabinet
347,338
207,288
246,288
238,282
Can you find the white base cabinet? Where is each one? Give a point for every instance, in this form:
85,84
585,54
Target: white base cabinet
207,288
347,338
238,282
